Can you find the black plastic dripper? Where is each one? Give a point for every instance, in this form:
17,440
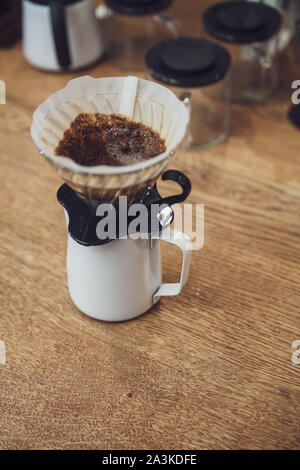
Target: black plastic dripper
83,220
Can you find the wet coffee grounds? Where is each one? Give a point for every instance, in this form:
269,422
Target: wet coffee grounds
109,139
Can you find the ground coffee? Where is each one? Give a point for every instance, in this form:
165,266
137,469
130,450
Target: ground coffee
109,139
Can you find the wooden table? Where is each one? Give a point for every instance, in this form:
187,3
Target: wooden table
211,368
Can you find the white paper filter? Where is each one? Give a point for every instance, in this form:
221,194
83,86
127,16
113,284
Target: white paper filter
153,105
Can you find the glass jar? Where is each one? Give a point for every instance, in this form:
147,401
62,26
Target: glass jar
250,33
197,70
288,9
135,26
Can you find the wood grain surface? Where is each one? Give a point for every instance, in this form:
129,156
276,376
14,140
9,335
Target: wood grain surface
209,369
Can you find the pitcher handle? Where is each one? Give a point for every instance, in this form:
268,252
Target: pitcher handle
182,241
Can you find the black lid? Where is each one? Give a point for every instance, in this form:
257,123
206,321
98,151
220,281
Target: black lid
294,115
138,7
48,2
241,22
188,62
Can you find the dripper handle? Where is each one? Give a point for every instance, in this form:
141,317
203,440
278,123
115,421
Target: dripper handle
172,175
183,181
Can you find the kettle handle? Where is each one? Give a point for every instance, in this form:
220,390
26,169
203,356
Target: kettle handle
59,28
